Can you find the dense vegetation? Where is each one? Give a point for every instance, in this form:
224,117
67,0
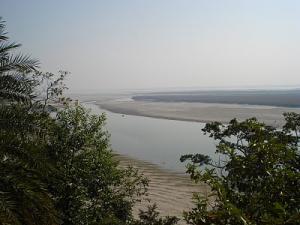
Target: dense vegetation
56,165
257,179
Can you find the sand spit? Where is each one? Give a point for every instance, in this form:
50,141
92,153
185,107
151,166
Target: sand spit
172,192
200,112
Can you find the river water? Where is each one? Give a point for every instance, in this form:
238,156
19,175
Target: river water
157,141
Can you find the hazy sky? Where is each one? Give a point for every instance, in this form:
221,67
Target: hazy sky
124,44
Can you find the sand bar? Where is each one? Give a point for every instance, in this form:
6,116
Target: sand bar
200,112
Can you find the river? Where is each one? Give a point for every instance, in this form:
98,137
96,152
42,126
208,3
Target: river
157,141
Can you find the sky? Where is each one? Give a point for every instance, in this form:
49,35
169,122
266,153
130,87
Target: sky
149,44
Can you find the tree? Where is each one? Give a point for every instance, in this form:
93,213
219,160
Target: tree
92,188
258,179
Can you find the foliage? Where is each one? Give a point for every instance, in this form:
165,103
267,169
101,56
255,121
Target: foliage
92,187
24,198
258,180
63,169
151,217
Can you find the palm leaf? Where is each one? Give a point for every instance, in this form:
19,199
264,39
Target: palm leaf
6,47
15,88
18,63
3,36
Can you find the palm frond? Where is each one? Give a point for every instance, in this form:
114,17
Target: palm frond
18,63
24,193
6,47
3,34
7,210
15,88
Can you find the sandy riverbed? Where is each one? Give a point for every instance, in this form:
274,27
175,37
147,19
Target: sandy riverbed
172,192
